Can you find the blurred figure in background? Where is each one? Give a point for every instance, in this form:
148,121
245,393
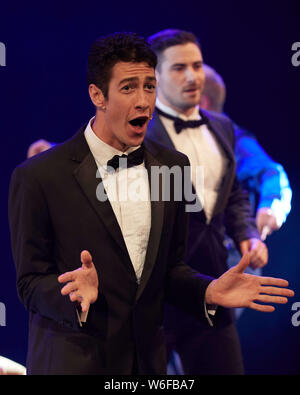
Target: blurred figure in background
266,181
38,146
207,138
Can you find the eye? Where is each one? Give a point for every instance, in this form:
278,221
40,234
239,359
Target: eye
178,67
126,88
198,66
150,87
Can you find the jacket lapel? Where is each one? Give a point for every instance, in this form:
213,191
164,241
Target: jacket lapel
225,186
85,174
157,219
157,132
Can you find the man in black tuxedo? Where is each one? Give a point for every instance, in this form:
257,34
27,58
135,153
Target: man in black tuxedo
208,140
66,205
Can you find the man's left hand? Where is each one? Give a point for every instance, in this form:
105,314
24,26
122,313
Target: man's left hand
238,289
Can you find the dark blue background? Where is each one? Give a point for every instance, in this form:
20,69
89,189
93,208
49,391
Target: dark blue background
43,94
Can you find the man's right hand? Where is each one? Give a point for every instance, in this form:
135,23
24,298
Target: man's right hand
82,283
37,147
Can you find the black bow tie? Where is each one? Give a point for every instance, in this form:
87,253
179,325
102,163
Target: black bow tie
135,158
180,124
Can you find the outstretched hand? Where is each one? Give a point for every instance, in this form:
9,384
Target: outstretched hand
82,283
238,289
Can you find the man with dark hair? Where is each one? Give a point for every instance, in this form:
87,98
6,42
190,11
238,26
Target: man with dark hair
104,54
208,140
105,317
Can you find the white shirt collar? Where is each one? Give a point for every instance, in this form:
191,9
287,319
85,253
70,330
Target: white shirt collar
168,110
102,151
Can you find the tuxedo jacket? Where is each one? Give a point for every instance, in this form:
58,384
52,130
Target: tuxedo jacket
205,247
54,214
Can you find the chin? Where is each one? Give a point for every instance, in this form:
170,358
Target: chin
135,141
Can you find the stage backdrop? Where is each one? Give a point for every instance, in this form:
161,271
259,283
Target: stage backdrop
43,94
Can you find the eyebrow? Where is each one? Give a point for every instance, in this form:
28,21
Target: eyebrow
135,79
184,64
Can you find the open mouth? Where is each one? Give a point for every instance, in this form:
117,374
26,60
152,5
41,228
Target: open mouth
139,121
191,90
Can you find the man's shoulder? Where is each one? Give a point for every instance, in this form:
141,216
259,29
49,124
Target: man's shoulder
220,124
216,116
167,156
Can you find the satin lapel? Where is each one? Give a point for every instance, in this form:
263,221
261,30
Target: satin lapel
157,219
225,187
85,175
157,132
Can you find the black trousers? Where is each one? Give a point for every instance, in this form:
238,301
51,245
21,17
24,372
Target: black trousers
207,351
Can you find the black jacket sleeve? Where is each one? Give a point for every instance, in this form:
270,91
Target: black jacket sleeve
33,250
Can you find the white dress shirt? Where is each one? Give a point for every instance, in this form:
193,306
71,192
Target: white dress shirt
205,155
129,195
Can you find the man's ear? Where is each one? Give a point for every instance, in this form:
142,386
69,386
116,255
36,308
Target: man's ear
97,96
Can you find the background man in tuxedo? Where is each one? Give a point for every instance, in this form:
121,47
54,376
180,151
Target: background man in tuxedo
265,180
180,81
105,316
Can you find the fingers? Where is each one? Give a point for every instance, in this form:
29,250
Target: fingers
70,287
86,259
278,282
243,264
85,306
65,277
74,297
82,283
244,247
277,291
272,295
261,307
271,299
258,254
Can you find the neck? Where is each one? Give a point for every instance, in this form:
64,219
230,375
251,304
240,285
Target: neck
184,111
98,127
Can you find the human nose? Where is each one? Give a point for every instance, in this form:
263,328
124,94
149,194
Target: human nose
190,74
142,101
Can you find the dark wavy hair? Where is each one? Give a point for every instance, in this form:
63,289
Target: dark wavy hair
106,51
164,39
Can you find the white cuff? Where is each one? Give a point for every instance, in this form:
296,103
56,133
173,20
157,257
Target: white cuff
209,309
82,316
